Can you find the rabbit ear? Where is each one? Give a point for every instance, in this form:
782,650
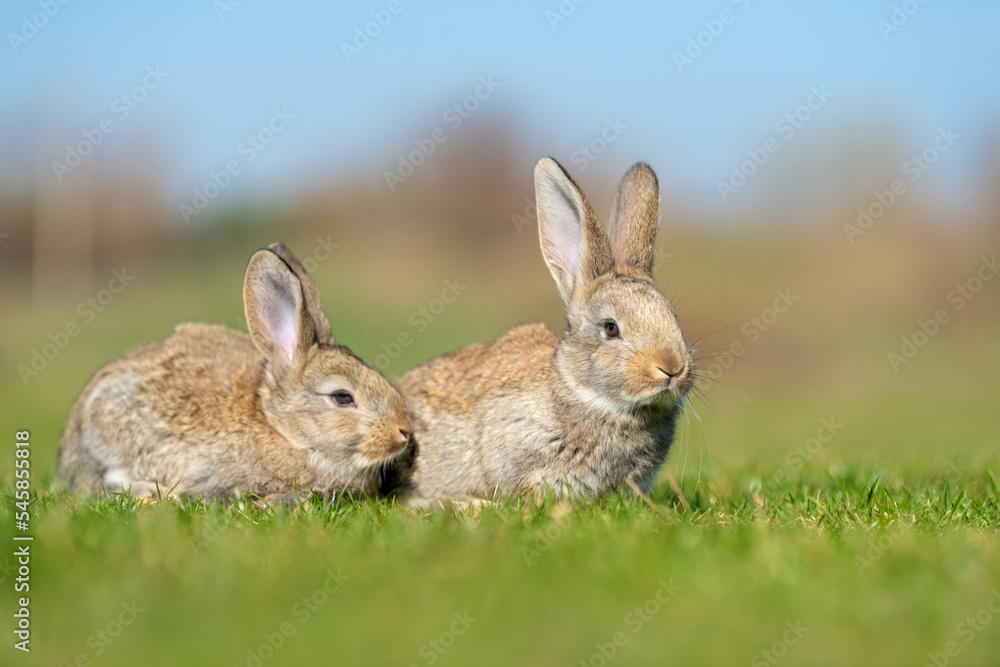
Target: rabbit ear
275,309
574,246
321,325
635,217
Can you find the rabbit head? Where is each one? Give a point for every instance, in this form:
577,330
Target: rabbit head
623,348
316,394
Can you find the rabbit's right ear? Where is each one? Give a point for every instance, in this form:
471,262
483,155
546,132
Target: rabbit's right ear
275,307
574,246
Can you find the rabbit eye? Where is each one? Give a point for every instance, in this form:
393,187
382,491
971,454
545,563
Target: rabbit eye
342,398
611,329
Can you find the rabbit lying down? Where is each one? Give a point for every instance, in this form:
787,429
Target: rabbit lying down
210,410
579,415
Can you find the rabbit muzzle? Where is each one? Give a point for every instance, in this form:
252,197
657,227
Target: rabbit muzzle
661,372
386,441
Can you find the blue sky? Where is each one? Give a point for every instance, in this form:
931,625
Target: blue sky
224,77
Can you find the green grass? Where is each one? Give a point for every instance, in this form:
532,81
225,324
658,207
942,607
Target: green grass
880,569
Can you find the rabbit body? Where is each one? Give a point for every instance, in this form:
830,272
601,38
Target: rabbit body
522,435
576,416
210,410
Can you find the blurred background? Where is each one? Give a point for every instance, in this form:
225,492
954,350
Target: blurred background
829,177
830,180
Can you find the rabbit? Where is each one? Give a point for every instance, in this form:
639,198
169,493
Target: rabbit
531,413
209,411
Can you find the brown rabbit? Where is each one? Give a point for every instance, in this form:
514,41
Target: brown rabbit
578,415
210,410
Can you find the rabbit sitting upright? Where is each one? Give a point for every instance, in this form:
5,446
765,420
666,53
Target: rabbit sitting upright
578,415
210,410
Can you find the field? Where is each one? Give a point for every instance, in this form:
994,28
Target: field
819,507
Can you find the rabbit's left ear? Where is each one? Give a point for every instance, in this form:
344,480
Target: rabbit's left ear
635,217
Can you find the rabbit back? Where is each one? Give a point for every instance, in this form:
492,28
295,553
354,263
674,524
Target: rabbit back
458,400
184,410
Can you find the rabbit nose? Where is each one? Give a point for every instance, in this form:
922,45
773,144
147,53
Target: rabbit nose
672,373
671,364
